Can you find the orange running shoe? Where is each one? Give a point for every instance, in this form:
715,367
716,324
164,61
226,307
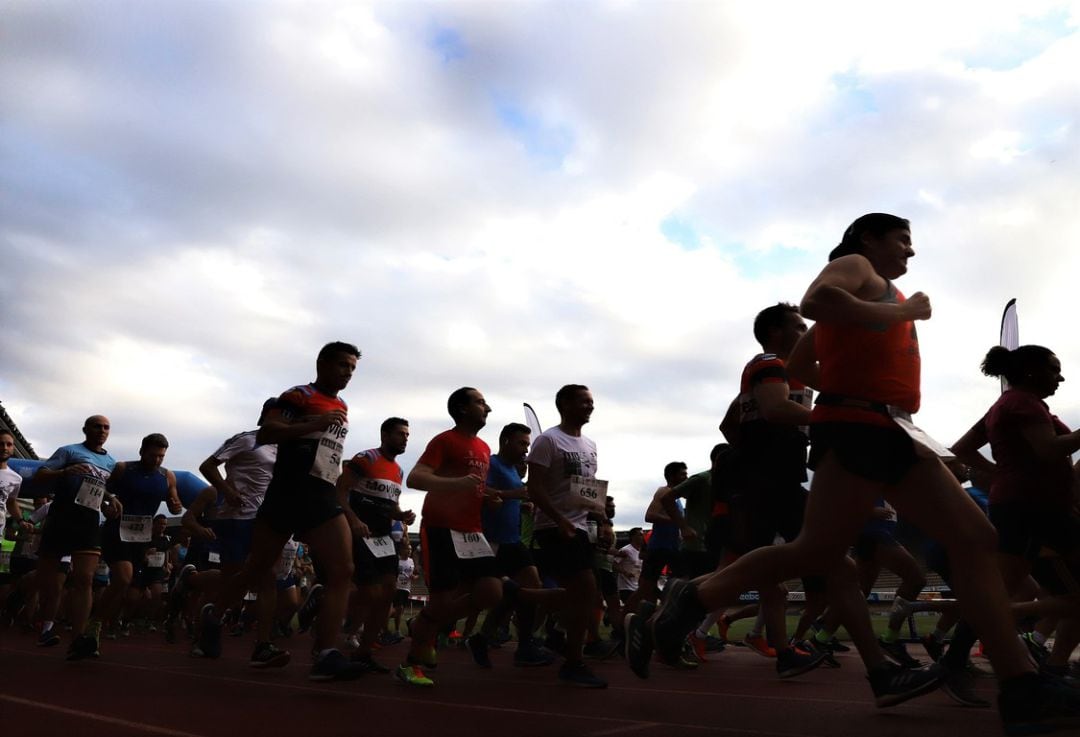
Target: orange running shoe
698,644
759,645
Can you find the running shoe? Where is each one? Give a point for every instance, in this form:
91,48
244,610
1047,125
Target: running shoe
932,647
698,645
334,666
676,618
714,644
413,675
352,642
898,654
722,626
1039,653
478,648
579,674
368,664
268,655
759,645
960,687
600,649
82,647
838,647
48,638
309,609
639,639
894,685
1036,704
812,646
208,644
530,655
794,661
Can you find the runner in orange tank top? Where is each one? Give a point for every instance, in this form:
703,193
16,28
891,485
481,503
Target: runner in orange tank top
860,453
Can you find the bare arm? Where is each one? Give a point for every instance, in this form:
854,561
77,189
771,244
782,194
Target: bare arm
190,520
802,364
346,481
967,448
656,511
667,500
845,291
172,496
540,496
276,429
210,471
423,478
775,405
729,426
1048,445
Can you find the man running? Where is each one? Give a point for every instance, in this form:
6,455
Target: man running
564,488
458,561
368,491
141,486
79,473
308,423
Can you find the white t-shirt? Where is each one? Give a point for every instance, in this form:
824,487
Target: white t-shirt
249,467
405,570
10,481
628,566
563,456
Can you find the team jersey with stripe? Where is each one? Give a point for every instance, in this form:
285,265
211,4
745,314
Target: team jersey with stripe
315,458
378,487
873,362
771,450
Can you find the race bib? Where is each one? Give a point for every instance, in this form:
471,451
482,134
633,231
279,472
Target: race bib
925,446
136,528
5,560
404,581
327,465
379,489
589,494
213,557
91,492
380,547
155,560
469,545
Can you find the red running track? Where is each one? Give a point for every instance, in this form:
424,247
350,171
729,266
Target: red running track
142,686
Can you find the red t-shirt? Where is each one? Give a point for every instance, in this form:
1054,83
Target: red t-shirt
453,454
1021,474
875,362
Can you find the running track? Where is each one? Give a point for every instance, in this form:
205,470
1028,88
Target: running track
142,686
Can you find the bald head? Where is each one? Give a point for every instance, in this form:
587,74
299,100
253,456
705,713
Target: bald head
96,429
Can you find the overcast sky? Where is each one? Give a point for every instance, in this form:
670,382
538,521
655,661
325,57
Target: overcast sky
195,196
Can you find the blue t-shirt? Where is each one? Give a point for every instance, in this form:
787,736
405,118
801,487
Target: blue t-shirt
72,455
502,525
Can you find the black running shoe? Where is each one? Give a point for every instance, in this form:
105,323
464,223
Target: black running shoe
334,666
579,674
208,644
639,639
367,663
894,685
268,655
675,619
82,647
48,638
960,687
478,648
795,661
897,653
932,647
309,609
1036,704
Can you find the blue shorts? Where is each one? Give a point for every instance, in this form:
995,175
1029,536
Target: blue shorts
234,538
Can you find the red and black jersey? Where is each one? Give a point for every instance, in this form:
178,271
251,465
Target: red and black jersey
375,496
872,362
770,450
297,458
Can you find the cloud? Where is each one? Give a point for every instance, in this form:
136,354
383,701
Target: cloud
509,196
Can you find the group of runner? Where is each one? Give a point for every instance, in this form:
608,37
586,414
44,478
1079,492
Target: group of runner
715,531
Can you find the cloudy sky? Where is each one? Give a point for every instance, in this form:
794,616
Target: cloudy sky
195,196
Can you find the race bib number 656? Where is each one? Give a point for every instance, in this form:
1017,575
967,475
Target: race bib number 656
589,494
